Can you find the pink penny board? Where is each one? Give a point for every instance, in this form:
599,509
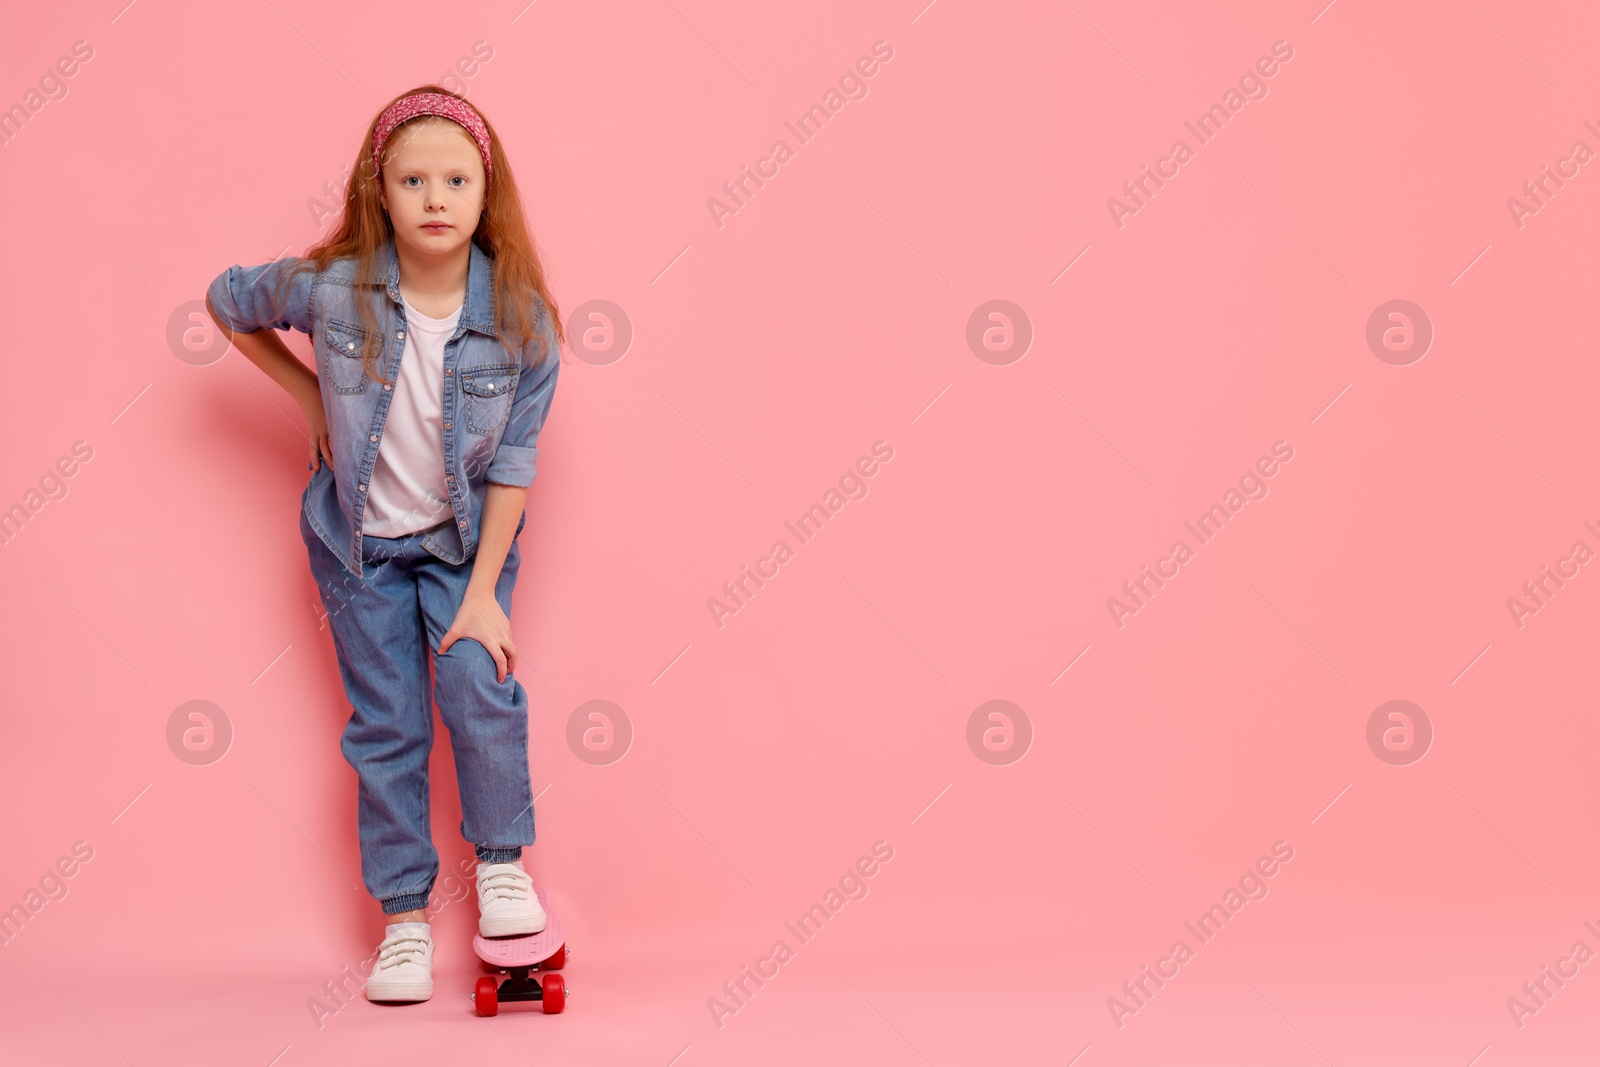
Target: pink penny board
526,950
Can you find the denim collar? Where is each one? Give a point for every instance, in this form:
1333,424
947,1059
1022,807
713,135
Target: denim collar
477,313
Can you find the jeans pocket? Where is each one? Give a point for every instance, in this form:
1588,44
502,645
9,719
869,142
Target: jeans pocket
486,396
340,355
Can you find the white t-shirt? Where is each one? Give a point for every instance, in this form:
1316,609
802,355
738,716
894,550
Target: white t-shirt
407,490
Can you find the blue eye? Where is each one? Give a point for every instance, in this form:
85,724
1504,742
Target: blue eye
458,181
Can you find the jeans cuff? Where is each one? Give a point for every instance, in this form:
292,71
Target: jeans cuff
498,854
406,902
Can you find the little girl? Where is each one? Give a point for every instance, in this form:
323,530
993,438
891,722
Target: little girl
437,347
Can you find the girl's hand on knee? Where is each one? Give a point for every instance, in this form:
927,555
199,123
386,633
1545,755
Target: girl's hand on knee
481,619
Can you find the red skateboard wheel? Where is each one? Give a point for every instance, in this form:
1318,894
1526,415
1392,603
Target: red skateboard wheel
486,996
555,993
557,961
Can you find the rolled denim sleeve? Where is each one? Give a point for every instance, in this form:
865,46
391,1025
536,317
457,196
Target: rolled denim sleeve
248,298
513,462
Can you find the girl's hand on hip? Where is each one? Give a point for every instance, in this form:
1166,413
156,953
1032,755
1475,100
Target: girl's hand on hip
481,619
317,435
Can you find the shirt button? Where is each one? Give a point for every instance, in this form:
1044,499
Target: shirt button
372,437
400,334
363,487
449,372
447,425
387,387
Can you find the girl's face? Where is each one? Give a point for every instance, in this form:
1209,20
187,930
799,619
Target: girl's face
433,187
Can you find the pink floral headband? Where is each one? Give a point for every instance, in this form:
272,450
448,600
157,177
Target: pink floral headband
456,110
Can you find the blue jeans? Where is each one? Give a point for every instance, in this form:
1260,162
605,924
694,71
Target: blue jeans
386,627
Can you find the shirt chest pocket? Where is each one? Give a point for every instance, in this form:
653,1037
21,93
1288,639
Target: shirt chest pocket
341,346
486,396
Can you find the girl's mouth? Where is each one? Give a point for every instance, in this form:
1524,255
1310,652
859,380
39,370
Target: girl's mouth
436,227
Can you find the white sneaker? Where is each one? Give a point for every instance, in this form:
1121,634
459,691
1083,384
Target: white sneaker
404,970
507,904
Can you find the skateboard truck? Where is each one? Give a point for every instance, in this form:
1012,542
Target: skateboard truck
551,991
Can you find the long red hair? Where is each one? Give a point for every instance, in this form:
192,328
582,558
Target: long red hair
502,234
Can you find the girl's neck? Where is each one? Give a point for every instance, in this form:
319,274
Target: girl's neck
434,284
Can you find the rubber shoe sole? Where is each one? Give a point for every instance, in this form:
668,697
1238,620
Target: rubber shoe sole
511,925
409,991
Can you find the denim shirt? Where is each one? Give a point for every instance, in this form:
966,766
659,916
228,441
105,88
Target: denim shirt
493,408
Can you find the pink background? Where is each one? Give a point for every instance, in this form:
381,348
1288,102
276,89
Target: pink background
832,711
